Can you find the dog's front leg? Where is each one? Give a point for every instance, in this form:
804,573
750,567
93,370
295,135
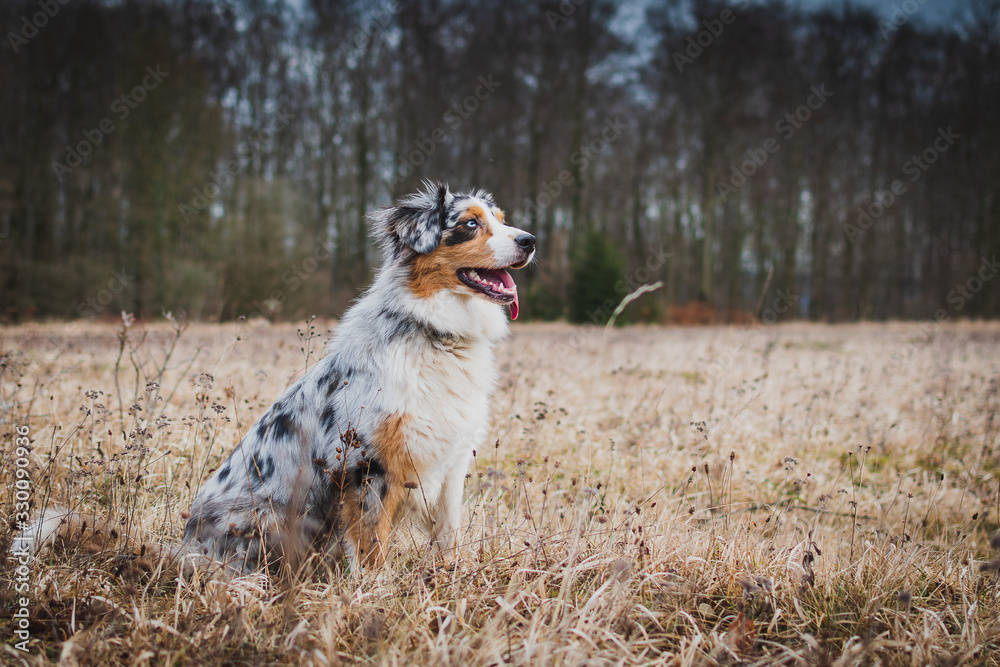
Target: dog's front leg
375,493
367,513
446,515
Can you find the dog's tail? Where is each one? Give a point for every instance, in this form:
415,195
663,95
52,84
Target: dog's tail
43,531
60,528
66,530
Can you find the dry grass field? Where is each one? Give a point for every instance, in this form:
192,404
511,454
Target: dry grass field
792,494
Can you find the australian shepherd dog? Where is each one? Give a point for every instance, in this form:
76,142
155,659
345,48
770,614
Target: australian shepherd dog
385,425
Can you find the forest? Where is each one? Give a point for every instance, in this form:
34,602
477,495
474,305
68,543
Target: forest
217,159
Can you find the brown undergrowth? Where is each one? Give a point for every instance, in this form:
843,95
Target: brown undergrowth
795,494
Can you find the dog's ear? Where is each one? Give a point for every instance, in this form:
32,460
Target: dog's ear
416,222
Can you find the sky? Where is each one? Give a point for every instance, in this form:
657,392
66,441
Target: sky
630,20
939,12
930,11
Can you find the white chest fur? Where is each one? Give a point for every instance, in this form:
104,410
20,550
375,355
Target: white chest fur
444,388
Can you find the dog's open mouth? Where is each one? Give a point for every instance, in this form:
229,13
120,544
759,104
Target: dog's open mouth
496,284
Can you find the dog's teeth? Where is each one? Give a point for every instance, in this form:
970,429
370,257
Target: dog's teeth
473,275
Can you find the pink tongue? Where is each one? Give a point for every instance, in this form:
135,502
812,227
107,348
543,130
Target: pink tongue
508,282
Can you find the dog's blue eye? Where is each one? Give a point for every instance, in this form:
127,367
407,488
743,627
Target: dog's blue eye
471,224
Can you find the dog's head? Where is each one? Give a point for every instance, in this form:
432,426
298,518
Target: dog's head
456,242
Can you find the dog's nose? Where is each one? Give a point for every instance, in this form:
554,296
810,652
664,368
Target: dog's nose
525,242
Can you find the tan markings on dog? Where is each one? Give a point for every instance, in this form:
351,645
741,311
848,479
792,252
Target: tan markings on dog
473,213
368,517
435,271
390,443
498,213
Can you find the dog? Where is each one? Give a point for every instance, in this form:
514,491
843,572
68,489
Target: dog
385,425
